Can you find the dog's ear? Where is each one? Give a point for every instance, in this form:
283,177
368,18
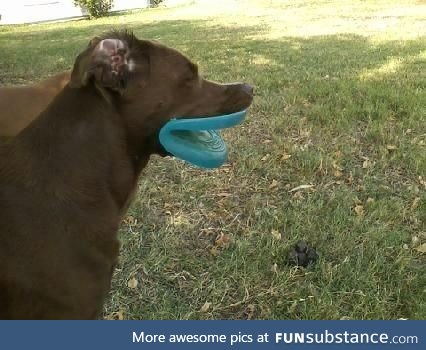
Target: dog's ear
104,62
95,41
80,76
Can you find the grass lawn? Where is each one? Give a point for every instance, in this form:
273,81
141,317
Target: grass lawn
340,105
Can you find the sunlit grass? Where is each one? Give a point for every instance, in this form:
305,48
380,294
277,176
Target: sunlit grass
394,64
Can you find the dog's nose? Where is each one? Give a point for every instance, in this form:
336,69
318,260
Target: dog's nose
248,89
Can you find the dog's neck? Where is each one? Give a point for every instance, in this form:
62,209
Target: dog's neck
79,143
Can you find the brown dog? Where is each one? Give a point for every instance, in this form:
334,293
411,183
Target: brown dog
66,180
20,105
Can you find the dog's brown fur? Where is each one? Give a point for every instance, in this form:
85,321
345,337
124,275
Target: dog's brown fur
66,180
20,105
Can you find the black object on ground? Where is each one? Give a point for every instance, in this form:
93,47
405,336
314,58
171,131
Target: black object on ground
302,254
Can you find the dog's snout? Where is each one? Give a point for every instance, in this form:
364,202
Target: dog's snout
235,87
248,88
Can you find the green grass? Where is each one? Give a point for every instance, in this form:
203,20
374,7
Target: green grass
340,105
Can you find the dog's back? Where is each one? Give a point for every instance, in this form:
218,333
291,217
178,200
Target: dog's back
20,105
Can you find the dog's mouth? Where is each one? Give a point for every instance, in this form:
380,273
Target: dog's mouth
197,140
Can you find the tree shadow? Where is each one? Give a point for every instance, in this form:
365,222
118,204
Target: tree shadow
31,54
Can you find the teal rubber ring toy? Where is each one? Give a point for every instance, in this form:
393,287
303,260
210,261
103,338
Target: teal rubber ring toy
197,141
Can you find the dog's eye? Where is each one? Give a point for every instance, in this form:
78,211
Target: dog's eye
189,80
191,75
193,68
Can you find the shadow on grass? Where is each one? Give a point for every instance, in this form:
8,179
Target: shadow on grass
293,58
223,53
31,54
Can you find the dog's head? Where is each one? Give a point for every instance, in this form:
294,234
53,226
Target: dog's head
153,83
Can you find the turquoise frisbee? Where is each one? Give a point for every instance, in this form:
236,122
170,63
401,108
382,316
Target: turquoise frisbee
197,140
